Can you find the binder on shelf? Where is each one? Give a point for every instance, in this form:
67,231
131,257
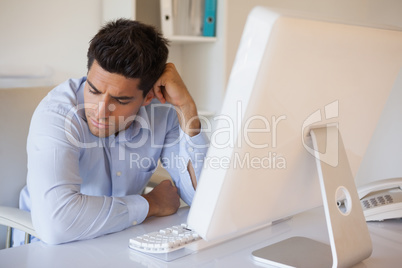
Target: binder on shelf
196,17
188,17
166,17
209,18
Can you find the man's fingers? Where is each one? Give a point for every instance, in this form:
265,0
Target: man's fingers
167,181
159,94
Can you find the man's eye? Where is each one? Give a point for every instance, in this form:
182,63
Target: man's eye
93,92
122,102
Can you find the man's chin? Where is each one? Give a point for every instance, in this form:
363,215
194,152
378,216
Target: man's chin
102,133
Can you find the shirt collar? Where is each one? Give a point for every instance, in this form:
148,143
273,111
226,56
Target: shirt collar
80,99
141,121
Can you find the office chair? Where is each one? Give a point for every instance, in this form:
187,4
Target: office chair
16,108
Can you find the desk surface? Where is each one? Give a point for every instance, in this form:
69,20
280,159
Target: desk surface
112,250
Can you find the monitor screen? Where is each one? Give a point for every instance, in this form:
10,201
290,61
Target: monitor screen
290,74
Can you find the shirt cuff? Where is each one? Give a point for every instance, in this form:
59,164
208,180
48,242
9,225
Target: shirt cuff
138,208
198,141
193,149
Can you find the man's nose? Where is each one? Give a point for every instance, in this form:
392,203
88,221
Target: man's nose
105,108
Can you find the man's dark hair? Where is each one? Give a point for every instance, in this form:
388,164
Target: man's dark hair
132,49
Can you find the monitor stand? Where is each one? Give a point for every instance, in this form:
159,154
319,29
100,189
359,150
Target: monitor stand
349,238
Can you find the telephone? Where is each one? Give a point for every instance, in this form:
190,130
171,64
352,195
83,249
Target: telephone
381,200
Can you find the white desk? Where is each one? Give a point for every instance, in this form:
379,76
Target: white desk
112,250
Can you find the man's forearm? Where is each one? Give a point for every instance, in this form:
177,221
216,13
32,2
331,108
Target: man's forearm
188,119
193,177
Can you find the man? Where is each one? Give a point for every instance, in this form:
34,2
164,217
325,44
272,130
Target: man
94,142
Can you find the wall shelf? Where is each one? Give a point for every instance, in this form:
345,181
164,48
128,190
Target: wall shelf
186,39
200,60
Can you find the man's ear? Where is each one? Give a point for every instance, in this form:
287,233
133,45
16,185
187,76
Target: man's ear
148,98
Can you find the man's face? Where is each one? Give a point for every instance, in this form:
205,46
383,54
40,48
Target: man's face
111,101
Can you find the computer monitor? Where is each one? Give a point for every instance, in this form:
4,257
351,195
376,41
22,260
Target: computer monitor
291,74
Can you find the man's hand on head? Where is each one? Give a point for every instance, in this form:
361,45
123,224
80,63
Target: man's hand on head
171,88
163,200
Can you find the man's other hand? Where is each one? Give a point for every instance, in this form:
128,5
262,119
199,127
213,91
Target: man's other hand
163,200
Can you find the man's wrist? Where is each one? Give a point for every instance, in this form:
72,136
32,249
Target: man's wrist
188,119
151,206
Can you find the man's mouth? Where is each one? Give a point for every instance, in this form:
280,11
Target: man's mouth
98,124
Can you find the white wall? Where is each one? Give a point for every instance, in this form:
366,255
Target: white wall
47,37
385,14
50,37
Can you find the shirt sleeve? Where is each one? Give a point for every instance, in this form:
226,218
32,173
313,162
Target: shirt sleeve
60,212
179,150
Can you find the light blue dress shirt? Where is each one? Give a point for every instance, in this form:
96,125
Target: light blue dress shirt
80,186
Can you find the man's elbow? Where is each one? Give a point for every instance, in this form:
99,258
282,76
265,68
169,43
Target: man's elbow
54,238
53,231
